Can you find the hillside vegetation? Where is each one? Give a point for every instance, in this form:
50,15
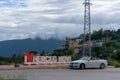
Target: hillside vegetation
109,50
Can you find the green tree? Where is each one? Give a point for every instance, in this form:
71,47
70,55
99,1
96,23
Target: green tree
68,52
43,53
20,58
13,58
34,52
98,51
56,53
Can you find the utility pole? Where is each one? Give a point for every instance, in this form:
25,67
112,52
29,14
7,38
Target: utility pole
87,27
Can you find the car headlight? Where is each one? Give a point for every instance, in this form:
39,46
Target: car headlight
71,63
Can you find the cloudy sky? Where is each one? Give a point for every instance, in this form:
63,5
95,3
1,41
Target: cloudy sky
20,19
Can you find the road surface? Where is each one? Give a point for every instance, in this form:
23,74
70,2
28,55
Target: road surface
64,74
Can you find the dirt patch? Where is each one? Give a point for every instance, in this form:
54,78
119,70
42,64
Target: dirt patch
40,66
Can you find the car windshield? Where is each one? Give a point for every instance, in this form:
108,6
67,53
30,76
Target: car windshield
85,58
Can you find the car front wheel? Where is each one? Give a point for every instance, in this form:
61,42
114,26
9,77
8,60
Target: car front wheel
82,66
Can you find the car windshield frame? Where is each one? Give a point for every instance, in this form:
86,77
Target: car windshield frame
85,58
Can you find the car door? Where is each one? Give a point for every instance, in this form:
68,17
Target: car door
92,64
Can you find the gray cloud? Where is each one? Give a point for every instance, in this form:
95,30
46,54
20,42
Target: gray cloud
46,19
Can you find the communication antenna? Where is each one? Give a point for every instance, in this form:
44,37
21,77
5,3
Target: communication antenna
87,27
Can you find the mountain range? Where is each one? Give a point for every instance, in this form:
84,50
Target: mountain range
10,47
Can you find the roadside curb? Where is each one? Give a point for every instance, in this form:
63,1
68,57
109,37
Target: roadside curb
22,67
110,67
39,67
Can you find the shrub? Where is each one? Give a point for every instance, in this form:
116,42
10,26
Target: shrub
117,64
114,63
17,65
4,63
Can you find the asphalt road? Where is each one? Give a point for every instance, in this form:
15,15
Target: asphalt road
64,74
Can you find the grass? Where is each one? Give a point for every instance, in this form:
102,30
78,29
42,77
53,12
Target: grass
114,63
20,77
12,79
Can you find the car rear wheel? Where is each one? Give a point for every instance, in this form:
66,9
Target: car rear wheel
82,66
102,66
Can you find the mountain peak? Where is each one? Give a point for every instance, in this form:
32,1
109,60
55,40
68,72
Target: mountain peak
7,48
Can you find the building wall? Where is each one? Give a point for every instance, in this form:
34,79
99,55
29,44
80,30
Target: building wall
73,42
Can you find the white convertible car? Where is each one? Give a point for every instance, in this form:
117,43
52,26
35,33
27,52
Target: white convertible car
88,62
